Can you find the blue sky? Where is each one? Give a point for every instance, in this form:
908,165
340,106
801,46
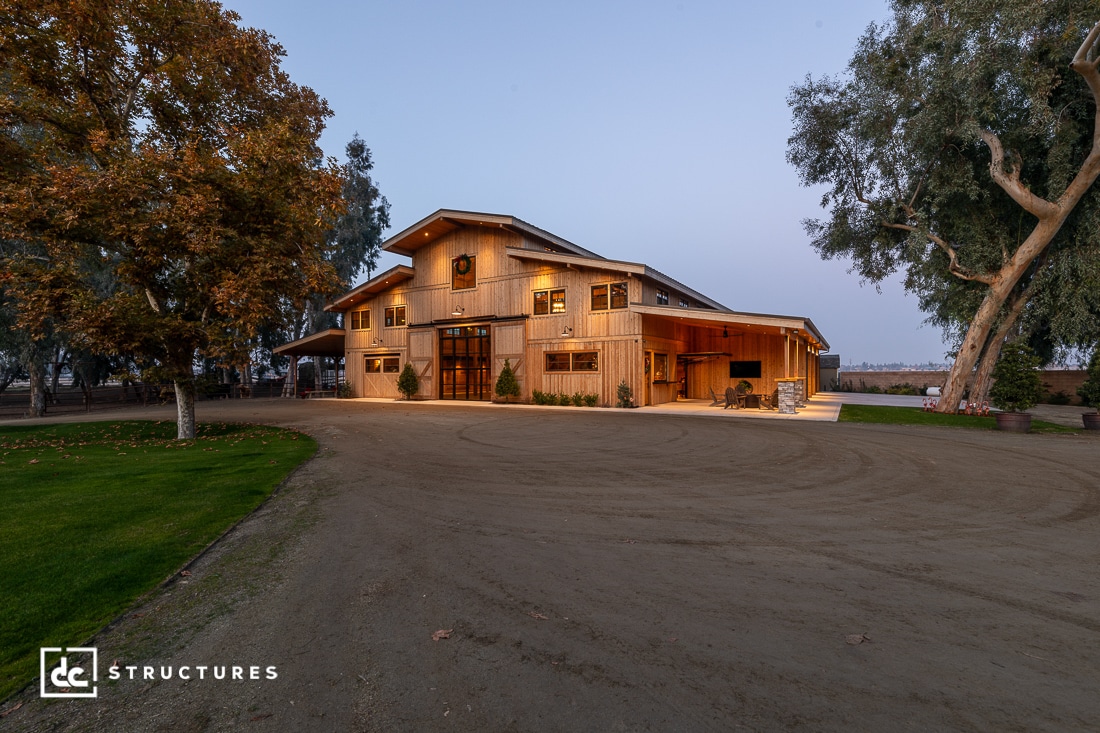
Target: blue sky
646,131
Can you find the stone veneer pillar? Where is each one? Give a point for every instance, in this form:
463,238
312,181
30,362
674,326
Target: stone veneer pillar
787,396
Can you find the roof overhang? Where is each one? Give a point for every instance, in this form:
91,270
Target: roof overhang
575,261
375,285
322,343
445,221
745,322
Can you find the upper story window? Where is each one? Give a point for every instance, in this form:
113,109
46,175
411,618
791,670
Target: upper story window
684,303
464,272
549,301
613,295
662,297
360,320
395,316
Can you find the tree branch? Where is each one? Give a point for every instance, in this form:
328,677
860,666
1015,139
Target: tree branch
956,269
1010,181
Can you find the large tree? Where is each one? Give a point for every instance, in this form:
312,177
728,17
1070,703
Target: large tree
159,142
962,143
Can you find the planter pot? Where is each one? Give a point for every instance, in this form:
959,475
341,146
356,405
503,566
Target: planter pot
1013,422
1091,420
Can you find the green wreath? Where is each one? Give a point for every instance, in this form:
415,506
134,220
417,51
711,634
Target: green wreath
463,264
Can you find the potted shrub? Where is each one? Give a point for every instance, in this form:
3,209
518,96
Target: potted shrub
507,385
1089,392
745,386
1017,387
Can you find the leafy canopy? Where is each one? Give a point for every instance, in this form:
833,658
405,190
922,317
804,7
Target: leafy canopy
159,171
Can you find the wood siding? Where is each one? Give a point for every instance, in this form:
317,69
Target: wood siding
503,300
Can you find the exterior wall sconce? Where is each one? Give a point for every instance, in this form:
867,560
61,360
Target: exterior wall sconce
376,341
725,333
565,332
458,311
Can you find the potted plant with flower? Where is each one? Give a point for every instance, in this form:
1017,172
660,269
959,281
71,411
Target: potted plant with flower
1017,387
1089,392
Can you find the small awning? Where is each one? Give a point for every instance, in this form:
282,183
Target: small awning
322,343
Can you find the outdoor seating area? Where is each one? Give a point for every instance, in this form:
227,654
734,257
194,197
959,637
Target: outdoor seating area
738,398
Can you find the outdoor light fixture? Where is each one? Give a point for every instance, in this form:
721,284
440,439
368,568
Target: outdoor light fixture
725,333
376,341
458,311
566,331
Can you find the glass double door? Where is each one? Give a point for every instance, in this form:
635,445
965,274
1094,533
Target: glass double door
465,363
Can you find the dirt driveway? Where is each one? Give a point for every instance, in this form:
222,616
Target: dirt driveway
605,571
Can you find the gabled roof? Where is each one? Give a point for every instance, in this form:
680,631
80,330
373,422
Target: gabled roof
445,221
371,287
602,263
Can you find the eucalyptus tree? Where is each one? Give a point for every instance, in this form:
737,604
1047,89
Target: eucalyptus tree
962,143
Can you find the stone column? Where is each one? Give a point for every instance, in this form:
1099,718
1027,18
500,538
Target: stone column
787,395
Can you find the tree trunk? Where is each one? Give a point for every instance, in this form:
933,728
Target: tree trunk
56,376
318,363
185,410
37,370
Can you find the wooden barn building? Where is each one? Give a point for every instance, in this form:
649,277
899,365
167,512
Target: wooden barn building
483,288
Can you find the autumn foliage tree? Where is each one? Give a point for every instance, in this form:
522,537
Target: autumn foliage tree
961,147
160,172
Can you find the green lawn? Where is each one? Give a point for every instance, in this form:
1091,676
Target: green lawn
916,416
97,514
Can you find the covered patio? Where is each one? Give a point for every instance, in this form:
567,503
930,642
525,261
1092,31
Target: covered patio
328,344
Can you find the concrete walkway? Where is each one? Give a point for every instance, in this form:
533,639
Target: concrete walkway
822,407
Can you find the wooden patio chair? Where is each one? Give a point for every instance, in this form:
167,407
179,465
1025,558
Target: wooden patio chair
770,402
716,400
735,398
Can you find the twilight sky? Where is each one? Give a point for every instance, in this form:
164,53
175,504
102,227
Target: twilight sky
645,131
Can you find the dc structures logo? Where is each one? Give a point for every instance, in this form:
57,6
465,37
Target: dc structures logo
74,674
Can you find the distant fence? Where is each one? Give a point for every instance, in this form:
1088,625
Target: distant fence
66,400
1058,384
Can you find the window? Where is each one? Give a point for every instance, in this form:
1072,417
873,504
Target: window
618,295
662,297
395,316
605,296
383,364
683,303
549,301
660,367
744,370
573,361
360,320
464,272
586,361
557,362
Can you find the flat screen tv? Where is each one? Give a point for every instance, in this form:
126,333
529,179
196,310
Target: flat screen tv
744,370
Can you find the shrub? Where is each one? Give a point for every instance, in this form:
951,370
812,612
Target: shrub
507,386
564,400
903,388
1061,397
1017,386
590,400
344,390
408,383
538,397
1089,392
578,399
745,386
624,396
